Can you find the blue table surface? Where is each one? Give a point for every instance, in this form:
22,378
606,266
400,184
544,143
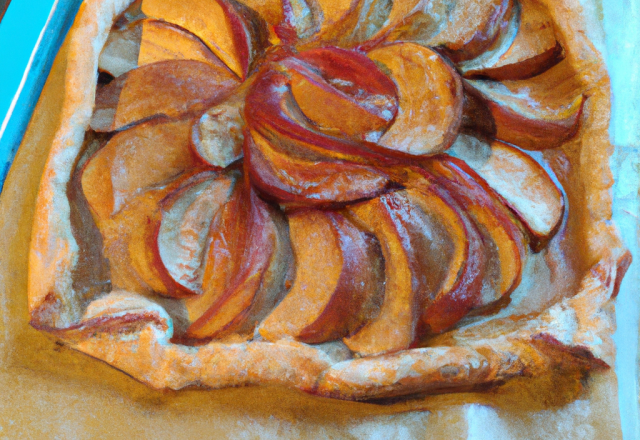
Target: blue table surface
30,34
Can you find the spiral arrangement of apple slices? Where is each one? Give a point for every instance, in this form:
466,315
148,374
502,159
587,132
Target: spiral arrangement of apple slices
322,170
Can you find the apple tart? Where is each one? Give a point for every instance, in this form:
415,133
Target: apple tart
355,199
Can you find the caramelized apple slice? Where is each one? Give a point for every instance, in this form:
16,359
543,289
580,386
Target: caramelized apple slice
167,88
411,20
332,110
218,135
332,18
186,218
342,92
460,291
149,41
338,272
227,238
350,23
521,182
430,93
536,113
504,242
501,44
464,28
233,32
533,49
130,240
401,10
245,271
271,109
417,262
147,155
470,27
296,181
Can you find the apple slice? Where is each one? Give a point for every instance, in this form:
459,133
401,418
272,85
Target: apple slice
536,113
411,20
145,156
316,181
430,93
342,92
272,111
149,41
338,272
167,88
227,238
504,242
464,28
501,44
461,289
418,254
533,49
130,240
335,112
218,135
522,183
233,32
470,27
246,268
350,23
332,19
186,218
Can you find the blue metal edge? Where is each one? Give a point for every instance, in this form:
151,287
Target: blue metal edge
62,17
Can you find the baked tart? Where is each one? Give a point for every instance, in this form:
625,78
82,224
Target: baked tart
360,200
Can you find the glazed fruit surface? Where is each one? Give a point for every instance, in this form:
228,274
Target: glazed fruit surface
328,170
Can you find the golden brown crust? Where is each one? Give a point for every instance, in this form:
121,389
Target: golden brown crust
566,321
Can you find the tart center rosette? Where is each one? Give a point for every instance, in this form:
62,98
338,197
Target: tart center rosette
323,173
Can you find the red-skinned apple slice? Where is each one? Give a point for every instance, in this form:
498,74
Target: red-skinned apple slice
227,238
532,50
522,183
145,156
186,219
337,113
536,113
501,44
253,237
130,240
168,88
470,27
233,32
334,18
339,274
271,110
504,242
411,20
149,41
354,72
302,182
416,265
350,23
461,290
342,92
430,94
464,28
